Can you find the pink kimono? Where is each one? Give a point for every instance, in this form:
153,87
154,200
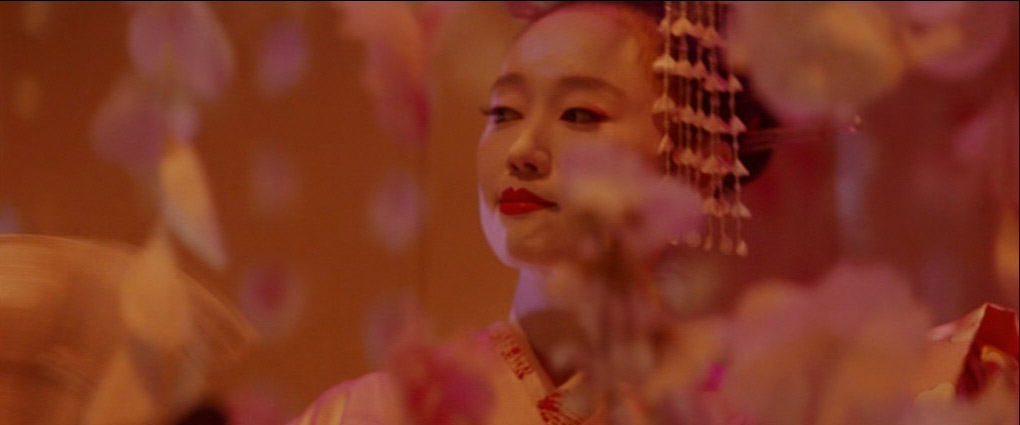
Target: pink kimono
962,359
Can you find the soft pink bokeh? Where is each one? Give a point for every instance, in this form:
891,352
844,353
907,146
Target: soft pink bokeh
283,57
182,43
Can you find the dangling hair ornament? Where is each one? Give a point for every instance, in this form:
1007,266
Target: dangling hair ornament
702,132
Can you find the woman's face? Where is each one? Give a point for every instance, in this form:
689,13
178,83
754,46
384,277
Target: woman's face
578,76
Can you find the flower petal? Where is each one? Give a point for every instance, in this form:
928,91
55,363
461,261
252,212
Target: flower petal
186,204
187,35
131,127
283,57
394,72
271,298
397,211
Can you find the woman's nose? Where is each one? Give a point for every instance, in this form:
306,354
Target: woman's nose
528,158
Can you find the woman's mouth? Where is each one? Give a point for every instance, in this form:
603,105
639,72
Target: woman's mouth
521,201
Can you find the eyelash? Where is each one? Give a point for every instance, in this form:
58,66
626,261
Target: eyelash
577,116
592,116
497,113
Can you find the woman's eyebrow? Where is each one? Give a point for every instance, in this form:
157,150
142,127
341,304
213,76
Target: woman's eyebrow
572,83
513,80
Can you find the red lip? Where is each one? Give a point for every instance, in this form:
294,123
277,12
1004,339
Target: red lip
521,201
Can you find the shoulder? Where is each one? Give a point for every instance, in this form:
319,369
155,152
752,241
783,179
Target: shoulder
370,399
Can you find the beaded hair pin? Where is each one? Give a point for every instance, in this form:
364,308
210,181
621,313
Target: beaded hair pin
702,133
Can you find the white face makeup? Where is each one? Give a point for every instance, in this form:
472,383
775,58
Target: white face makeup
577,76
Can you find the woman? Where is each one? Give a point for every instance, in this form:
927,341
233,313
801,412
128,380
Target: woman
580,75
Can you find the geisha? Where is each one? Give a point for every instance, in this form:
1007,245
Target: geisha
581,76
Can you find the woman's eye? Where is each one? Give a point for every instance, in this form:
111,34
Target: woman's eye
583,116
499,114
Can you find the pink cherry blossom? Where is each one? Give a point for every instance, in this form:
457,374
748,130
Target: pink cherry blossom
626,198
438,383
186,204
394,72
816,59
955,40
283,57
397,211
131,126
254,406
842,352
273,181
272,299
181,42
528,9
10,220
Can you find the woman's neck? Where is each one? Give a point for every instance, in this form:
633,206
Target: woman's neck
546,327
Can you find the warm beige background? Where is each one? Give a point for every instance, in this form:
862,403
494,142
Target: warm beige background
58,186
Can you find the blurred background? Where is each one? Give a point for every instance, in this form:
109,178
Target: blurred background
338,157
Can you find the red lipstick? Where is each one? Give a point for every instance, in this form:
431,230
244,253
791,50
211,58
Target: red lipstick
521,201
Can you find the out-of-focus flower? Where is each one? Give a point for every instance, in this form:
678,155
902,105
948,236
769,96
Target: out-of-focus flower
271,298
183,43
254,406
528,9
816,59
131,127
10,221
843,352
283,57
186,204
274,181
620,195
394,72
441,384
953,40
397,211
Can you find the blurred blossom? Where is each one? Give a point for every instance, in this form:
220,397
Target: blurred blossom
254,406
443,387
274,181
397,211
10,220
812,59
439,384
623,195
432,15
131,127
186,204
181,42
27,95
183,121
283,57
528,9
953,40
271,298
394,72
843,352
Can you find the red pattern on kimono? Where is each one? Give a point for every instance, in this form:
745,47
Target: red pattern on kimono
968,354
